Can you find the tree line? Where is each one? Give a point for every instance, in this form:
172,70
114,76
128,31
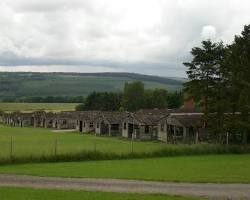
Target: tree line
219,81
133,97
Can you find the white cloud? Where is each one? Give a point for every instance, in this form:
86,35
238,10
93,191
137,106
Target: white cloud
208,32
153,35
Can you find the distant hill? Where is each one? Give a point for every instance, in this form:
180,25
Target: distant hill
21,84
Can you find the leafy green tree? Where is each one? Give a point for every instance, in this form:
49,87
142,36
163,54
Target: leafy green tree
156,98
133,96
105,101
175,99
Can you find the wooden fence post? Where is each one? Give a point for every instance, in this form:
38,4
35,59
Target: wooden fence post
55,150
132,143
227,139
95,143
11,148
196,137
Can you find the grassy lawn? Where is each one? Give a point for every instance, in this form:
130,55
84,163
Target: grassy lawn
29,107
210,168
40,141
7,193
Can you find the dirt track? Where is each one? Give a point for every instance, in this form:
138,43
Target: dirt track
210,190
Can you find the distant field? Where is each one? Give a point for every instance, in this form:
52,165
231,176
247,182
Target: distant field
210,168
7,193
28,107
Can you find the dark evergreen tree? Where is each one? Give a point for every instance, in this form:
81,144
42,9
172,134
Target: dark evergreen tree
238,60
204,74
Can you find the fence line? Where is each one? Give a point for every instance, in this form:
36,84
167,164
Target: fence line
11,148
55,149
90,151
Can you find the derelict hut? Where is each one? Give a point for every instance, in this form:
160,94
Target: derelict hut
162,124
143,124
48,119
86,121
1,116
65,120
129,124
110,123
14,119
6,118
25,119
11,119
184,127
162,129
36,119
146,129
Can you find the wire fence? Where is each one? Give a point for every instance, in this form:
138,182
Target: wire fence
13,152
11,148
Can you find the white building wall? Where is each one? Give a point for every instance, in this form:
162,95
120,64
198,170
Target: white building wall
98,128
87,127
162,134
125,131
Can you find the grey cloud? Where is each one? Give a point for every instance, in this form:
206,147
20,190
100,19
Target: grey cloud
15,62
147,36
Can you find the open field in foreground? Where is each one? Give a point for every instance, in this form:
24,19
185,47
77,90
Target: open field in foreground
23,145
7,193
210,168
40,141
29,107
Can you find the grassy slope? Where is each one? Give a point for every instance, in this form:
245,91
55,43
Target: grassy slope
41,194
21,84
212,168
28,107
39,141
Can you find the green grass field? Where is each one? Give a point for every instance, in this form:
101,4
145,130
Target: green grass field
210,168
41,145
7,193
40,141
29,107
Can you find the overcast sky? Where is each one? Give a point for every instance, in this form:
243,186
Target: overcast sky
145,36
